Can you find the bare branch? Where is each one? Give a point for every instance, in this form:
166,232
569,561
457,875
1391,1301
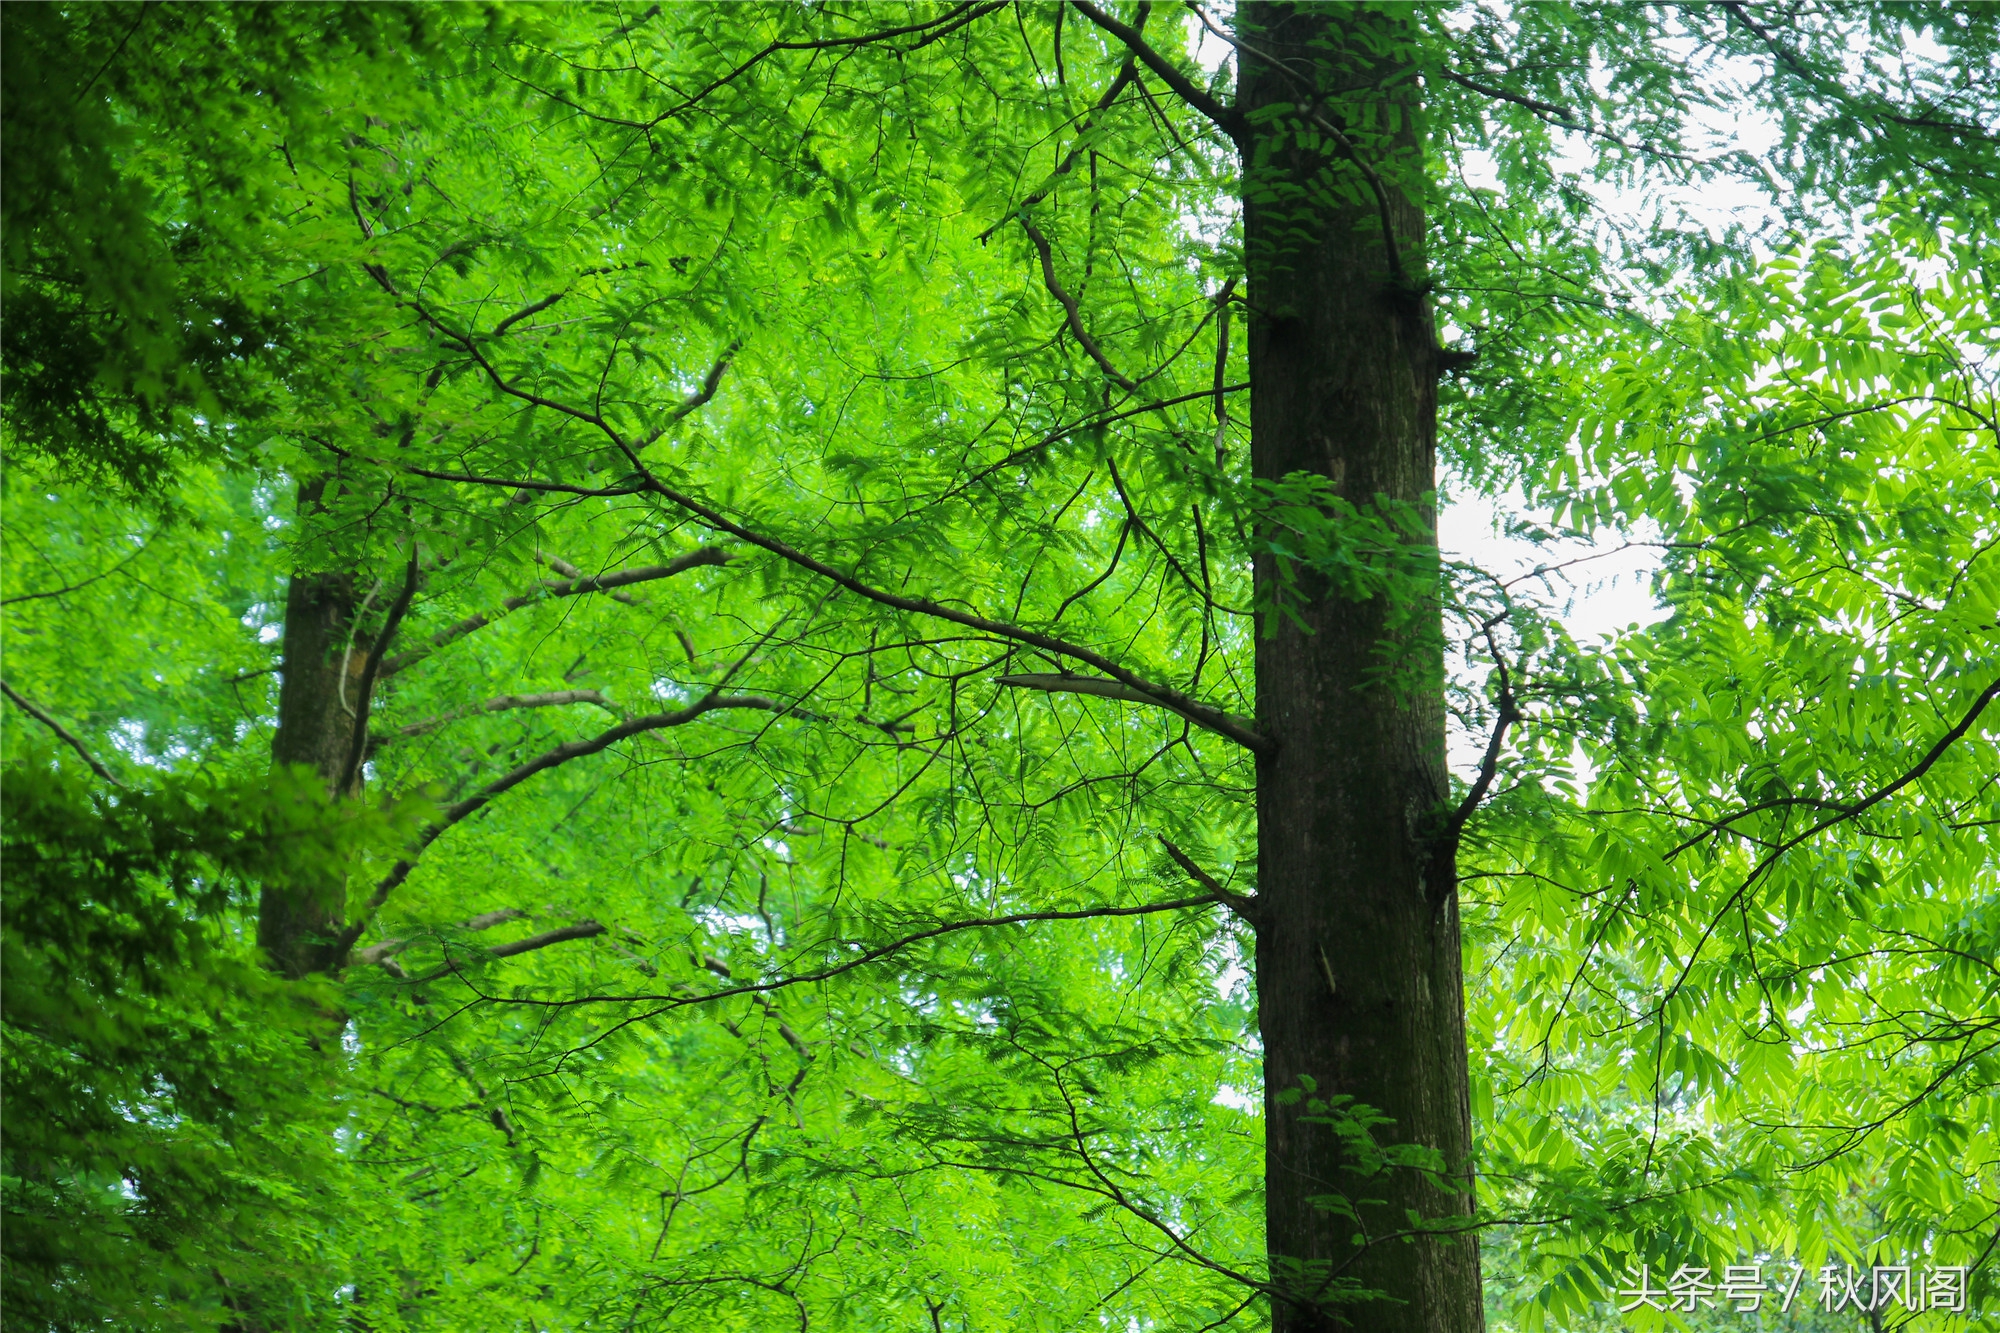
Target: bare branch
1055,682
582,930
357,746
1244,905
62,733
560,755
506,702
565,587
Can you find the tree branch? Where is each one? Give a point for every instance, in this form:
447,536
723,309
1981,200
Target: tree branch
710,383
1201,714
1244,905
1063,168
560,755
582,930
1221,391
930,29
1562,113
62,733
82,583
384,949
1072,316
1562,116
1842,813
523,313
506,702
876,954
1839,815
564,587
357,746
1489,763
569,571
1055,682
1225,118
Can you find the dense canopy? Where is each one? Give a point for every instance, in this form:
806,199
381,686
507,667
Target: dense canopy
789,664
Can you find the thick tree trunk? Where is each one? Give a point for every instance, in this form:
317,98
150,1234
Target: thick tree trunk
1358,968
298,919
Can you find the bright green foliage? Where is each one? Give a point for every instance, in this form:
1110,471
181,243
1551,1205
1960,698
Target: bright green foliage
169,1149
559,299
1782,996
142,195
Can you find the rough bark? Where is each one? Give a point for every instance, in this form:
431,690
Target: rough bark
1358,965
299,919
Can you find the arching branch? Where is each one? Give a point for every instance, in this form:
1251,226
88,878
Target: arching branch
1209,717
62,733
506,703
564,587
873,955
1225,118
560,755
1057,682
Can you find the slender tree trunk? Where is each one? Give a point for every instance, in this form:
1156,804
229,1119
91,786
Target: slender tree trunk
1358,968
324,654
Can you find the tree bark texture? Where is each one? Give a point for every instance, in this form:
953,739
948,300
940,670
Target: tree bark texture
1358,965
324,655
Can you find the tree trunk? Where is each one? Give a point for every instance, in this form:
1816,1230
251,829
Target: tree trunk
1358,968
299,919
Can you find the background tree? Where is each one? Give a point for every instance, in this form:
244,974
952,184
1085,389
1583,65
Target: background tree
984,466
